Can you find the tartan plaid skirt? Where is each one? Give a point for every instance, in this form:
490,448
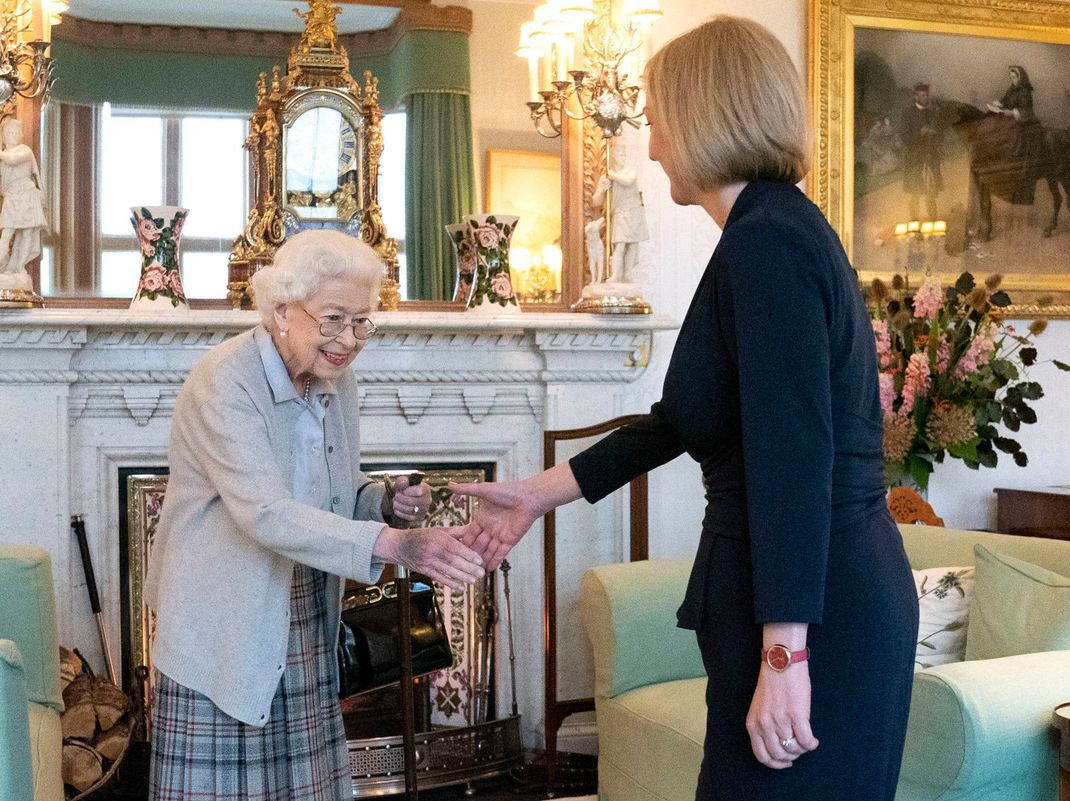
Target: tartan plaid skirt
200,753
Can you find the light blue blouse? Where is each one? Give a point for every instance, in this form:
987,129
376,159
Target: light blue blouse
311,477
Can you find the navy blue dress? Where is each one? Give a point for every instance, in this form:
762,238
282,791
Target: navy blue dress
772,389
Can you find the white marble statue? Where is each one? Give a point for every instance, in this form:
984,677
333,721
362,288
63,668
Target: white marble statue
22,214
596,250
627,216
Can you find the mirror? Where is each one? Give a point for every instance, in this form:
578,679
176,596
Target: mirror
213,140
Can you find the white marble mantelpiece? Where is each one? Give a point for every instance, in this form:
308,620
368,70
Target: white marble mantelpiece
84,393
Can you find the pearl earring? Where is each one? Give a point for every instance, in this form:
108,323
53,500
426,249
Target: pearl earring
282,333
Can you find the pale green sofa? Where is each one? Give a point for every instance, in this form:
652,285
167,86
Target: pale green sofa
978,730
31,741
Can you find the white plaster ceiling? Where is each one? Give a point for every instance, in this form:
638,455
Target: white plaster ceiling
255,15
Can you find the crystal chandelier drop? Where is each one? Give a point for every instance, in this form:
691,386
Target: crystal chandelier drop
584,61
25,36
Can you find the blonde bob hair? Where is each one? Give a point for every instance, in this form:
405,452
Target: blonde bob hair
307,261
729,103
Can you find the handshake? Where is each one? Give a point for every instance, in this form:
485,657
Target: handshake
458,555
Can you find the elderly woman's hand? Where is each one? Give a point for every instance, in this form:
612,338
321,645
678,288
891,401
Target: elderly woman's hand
438,552
410,504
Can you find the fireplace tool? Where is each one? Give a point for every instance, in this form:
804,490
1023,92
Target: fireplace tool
401,576
78,525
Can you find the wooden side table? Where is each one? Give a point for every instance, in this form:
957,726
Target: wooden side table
1041,512
1060,717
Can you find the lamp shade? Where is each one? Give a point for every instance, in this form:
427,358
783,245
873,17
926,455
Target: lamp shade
641,12
530,41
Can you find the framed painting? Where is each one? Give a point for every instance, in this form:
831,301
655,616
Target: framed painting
528,184
943,132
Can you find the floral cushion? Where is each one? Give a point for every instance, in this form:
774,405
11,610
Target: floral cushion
944,607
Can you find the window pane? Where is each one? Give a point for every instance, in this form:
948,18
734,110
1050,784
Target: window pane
46,270
213,183
119,272
131,168
392,175
204,275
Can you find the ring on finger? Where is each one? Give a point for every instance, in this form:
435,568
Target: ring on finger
416,510
787,741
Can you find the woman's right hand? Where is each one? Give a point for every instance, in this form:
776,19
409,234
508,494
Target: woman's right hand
505,513
442,553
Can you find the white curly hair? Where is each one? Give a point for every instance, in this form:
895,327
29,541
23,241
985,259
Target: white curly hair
309,259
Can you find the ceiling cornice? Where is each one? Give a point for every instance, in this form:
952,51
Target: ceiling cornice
276,44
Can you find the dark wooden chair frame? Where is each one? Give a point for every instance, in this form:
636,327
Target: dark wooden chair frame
555,710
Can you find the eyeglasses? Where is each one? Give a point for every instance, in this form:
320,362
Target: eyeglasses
334,324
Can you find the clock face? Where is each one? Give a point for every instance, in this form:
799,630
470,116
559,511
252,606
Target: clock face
347,148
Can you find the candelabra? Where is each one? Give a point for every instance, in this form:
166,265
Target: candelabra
590,58
25,34
921,240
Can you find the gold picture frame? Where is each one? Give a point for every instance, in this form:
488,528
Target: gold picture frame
528,184
964,49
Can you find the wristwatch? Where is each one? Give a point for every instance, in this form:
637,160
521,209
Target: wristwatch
778,657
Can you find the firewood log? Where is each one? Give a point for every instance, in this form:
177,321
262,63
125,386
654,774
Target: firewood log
70,666
79,717
110,744
110,703
81,766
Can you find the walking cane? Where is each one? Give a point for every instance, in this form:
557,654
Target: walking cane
78,525
401,577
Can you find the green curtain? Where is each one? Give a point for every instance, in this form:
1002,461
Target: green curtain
440,178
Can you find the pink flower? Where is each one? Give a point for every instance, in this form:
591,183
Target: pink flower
147,249
887,392
928,299
884,344
174,283
501,286
467,261
978,354
153,278
943,355
487,236
147,231
916,382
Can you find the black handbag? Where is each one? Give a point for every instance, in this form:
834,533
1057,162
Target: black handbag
368,647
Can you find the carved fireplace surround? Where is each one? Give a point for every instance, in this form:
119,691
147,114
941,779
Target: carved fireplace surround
84,393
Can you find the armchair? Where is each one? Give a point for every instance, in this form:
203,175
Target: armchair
978,731
31,741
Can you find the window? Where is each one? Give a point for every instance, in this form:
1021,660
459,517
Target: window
191,160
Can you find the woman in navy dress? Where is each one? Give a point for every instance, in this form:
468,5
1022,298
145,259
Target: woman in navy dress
772,389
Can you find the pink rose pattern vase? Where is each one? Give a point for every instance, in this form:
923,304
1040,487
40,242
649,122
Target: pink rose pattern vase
159,230
489,236
466,261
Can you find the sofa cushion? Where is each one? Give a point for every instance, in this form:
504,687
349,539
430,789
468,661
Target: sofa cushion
15,760
28,617
944,609
660,754
46,741
1018,608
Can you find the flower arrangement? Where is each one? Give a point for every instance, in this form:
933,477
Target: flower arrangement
952,374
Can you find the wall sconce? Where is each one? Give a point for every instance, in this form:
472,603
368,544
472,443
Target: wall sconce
586,55
922,241
25,36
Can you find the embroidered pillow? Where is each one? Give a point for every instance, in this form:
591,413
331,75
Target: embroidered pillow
943,607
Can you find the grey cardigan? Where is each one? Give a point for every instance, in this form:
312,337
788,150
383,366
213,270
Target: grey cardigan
230,530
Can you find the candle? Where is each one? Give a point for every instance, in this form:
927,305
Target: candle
900,229
926,228
940,226
913,226
533,76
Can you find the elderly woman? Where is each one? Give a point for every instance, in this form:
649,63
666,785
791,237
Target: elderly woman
801,594
266,512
